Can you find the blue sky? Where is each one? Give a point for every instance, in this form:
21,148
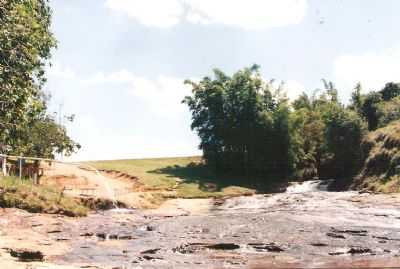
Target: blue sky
120,64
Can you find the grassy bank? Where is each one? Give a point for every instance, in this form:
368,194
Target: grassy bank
187,176
16,193
381,169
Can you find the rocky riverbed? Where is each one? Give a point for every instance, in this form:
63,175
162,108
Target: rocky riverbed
304,227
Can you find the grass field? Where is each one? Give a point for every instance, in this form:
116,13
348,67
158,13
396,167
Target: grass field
187,176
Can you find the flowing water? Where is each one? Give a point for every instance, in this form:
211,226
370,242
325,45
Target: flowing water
306,226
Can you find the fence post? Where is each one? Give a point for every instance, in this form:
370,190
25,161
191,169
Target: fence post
4,166
20,167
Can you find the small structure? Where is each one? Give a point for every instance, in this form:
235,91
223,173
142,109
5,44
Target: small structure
22,167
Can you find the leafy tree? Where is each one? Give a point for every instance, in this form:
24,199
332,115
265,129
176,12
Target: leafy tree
326,136
25,45
343,135
25,49
357,99
44,137
241,121
390,91
370,109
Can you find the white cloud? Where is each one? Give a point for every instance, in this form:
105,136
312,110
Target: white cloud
293,89
62,72
372,69
246,14
106,144
157,13
117,77
162,95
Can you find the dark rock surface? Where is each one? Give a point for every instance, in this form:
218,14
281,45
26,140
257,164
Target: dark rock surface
305,229
27,255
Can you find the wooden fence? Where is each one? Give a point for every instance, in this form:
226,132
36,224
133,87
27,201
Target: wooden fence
24,167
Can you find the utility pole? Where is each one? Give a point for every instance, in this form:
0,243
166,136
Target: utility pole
61,122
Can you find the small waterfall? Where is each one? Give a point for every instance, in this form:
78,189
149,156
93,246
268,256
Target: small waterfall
309,186
106,185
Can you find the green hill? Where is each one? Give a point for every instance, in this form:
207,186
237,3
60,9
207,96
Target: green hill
186,177
381,169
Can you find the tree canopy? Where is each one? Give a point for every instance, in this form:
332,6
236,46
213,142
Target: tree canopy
26,42
248,126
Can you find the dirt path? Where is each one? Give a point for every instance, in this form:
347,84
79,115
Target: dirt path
83,181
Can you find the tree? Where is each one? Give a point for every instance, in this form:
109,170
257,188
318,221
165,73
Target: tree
325,136
25,50
370,109
25,45
240,121
390,91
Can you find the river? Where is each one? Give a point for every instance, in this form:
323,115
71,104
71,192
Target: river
305,227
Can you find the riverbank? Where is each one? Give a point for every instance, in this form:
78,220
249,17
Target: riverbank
297,229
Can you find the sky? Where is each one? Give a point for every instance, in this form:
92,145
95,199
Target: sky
120,64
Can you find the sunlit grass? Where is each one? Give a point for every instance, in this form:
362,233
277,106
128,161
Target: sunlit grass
16,193
187,176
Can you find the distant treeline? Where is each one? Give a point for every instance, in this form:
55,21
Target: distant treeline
249,127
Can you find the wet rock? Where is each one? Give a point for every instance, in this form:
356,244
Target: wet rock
218,201
337,253
113,236
187,248
27,255
150,251
88,234
101,236
125,237
54,231
150,258
381,215
223,246
271,247
353,251
351,232
319,244
359,250
335,235
62,239
386,238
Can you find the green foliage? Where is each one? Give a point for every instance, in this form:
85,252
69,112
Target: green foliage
389,111
240,120
390,91
44,137
378,108
247,127
25,49
325,136
381,167
369,109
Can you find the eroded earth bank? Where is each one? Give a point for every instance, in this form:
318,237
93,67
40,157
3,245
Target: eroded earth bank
304,227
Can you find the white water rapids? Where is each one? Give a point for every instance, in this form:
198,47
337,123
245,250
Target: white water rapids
308,186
